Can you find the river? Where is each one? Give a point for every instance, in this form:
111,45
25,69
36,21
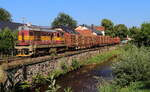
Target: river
86,78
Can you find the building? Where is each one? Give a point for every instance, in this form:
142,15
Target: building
84,31
11,25
100,28
90,30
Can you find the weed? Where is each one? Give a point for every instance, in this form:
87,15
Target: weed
68,89
64,67
75,64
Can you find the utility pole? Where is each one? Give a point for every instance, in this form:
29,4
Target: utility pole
23,20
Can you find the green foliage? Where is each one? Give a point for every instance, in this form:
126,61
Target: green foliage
133,87
38,80
102,57
7,40
133,66
13,86
37,90
56,73
121,31
53,87
4,15
108,24
141,36
145,34
64,67
134,31
64,20
111,33
75,64
108,88
68,89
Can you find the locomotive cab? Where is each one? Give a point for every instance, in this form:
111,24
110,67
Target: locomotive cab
34,40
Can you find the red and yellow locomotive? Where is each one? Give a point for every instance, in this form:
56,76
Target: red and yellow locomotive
34,40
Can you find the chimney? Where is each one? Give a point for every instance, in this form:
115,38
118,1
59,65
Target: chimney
92,26
29,24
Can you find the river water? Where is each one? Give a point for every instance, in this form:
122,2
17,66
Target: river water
86,78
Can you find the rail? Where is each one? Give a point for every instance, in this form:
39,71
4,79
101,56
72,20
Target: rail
18,61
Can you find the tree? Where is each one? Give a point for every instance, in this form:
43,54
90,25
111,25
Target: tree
141,36
108,24
121,31
111,33
4,15
64,20
7,41
133,31
145,34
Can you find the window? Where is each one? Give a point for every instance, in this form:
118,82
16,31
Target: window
31,33
58,35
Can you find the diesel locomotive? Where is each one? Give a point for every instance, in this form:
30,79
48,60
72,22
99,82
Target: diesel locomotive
35,40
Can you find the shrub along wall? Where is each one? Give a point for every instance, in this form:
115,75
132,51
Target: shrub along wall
132,66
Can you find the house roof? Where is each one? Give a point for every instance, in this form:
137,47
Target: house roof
10,25
66,29
88,31
98,32
99,28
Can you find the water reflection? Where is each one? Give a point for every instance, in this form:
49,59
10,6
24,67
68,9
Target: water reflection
86,78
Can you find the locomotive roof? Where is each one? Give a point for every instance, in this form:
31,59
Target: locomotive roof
37,28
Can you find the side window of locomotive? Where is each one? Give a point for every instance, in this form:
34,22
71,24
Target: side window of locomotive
37,36
31,33
58,35
22,36
51,35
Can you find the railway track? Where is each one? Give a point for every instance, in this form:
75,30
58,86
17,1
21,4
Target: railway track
16,61
10,59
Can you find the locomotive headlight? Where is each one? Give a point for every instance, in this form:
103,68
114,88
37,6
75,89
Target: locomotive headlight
26,51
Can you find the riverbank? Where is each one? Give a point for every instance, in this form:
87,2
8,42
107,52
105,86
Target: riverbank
133,87
86,78
82,75
131,71
97,59
64,65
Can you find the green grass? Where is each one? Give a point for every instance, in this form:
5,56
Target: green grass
102,57
133,87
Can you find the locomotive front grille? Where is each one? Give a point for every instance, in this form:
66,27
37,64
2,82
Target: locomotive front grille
23,50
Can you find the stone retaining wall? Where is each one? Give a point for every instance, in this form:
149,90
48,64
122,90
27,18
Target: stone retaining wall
26,72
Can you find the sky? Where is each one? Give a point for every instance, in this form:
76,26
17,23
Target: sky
43,12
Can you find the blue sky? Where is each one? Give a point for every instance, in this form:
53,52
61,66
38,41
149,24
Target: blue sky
43,12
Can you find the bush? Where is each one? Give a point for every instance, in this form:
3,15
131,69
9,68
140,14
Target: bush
7,41
75,64
133,66
64,67
140,36
68,89
133,87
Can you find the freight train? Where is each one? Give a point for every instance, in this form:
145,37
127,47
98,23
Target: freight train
35,40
